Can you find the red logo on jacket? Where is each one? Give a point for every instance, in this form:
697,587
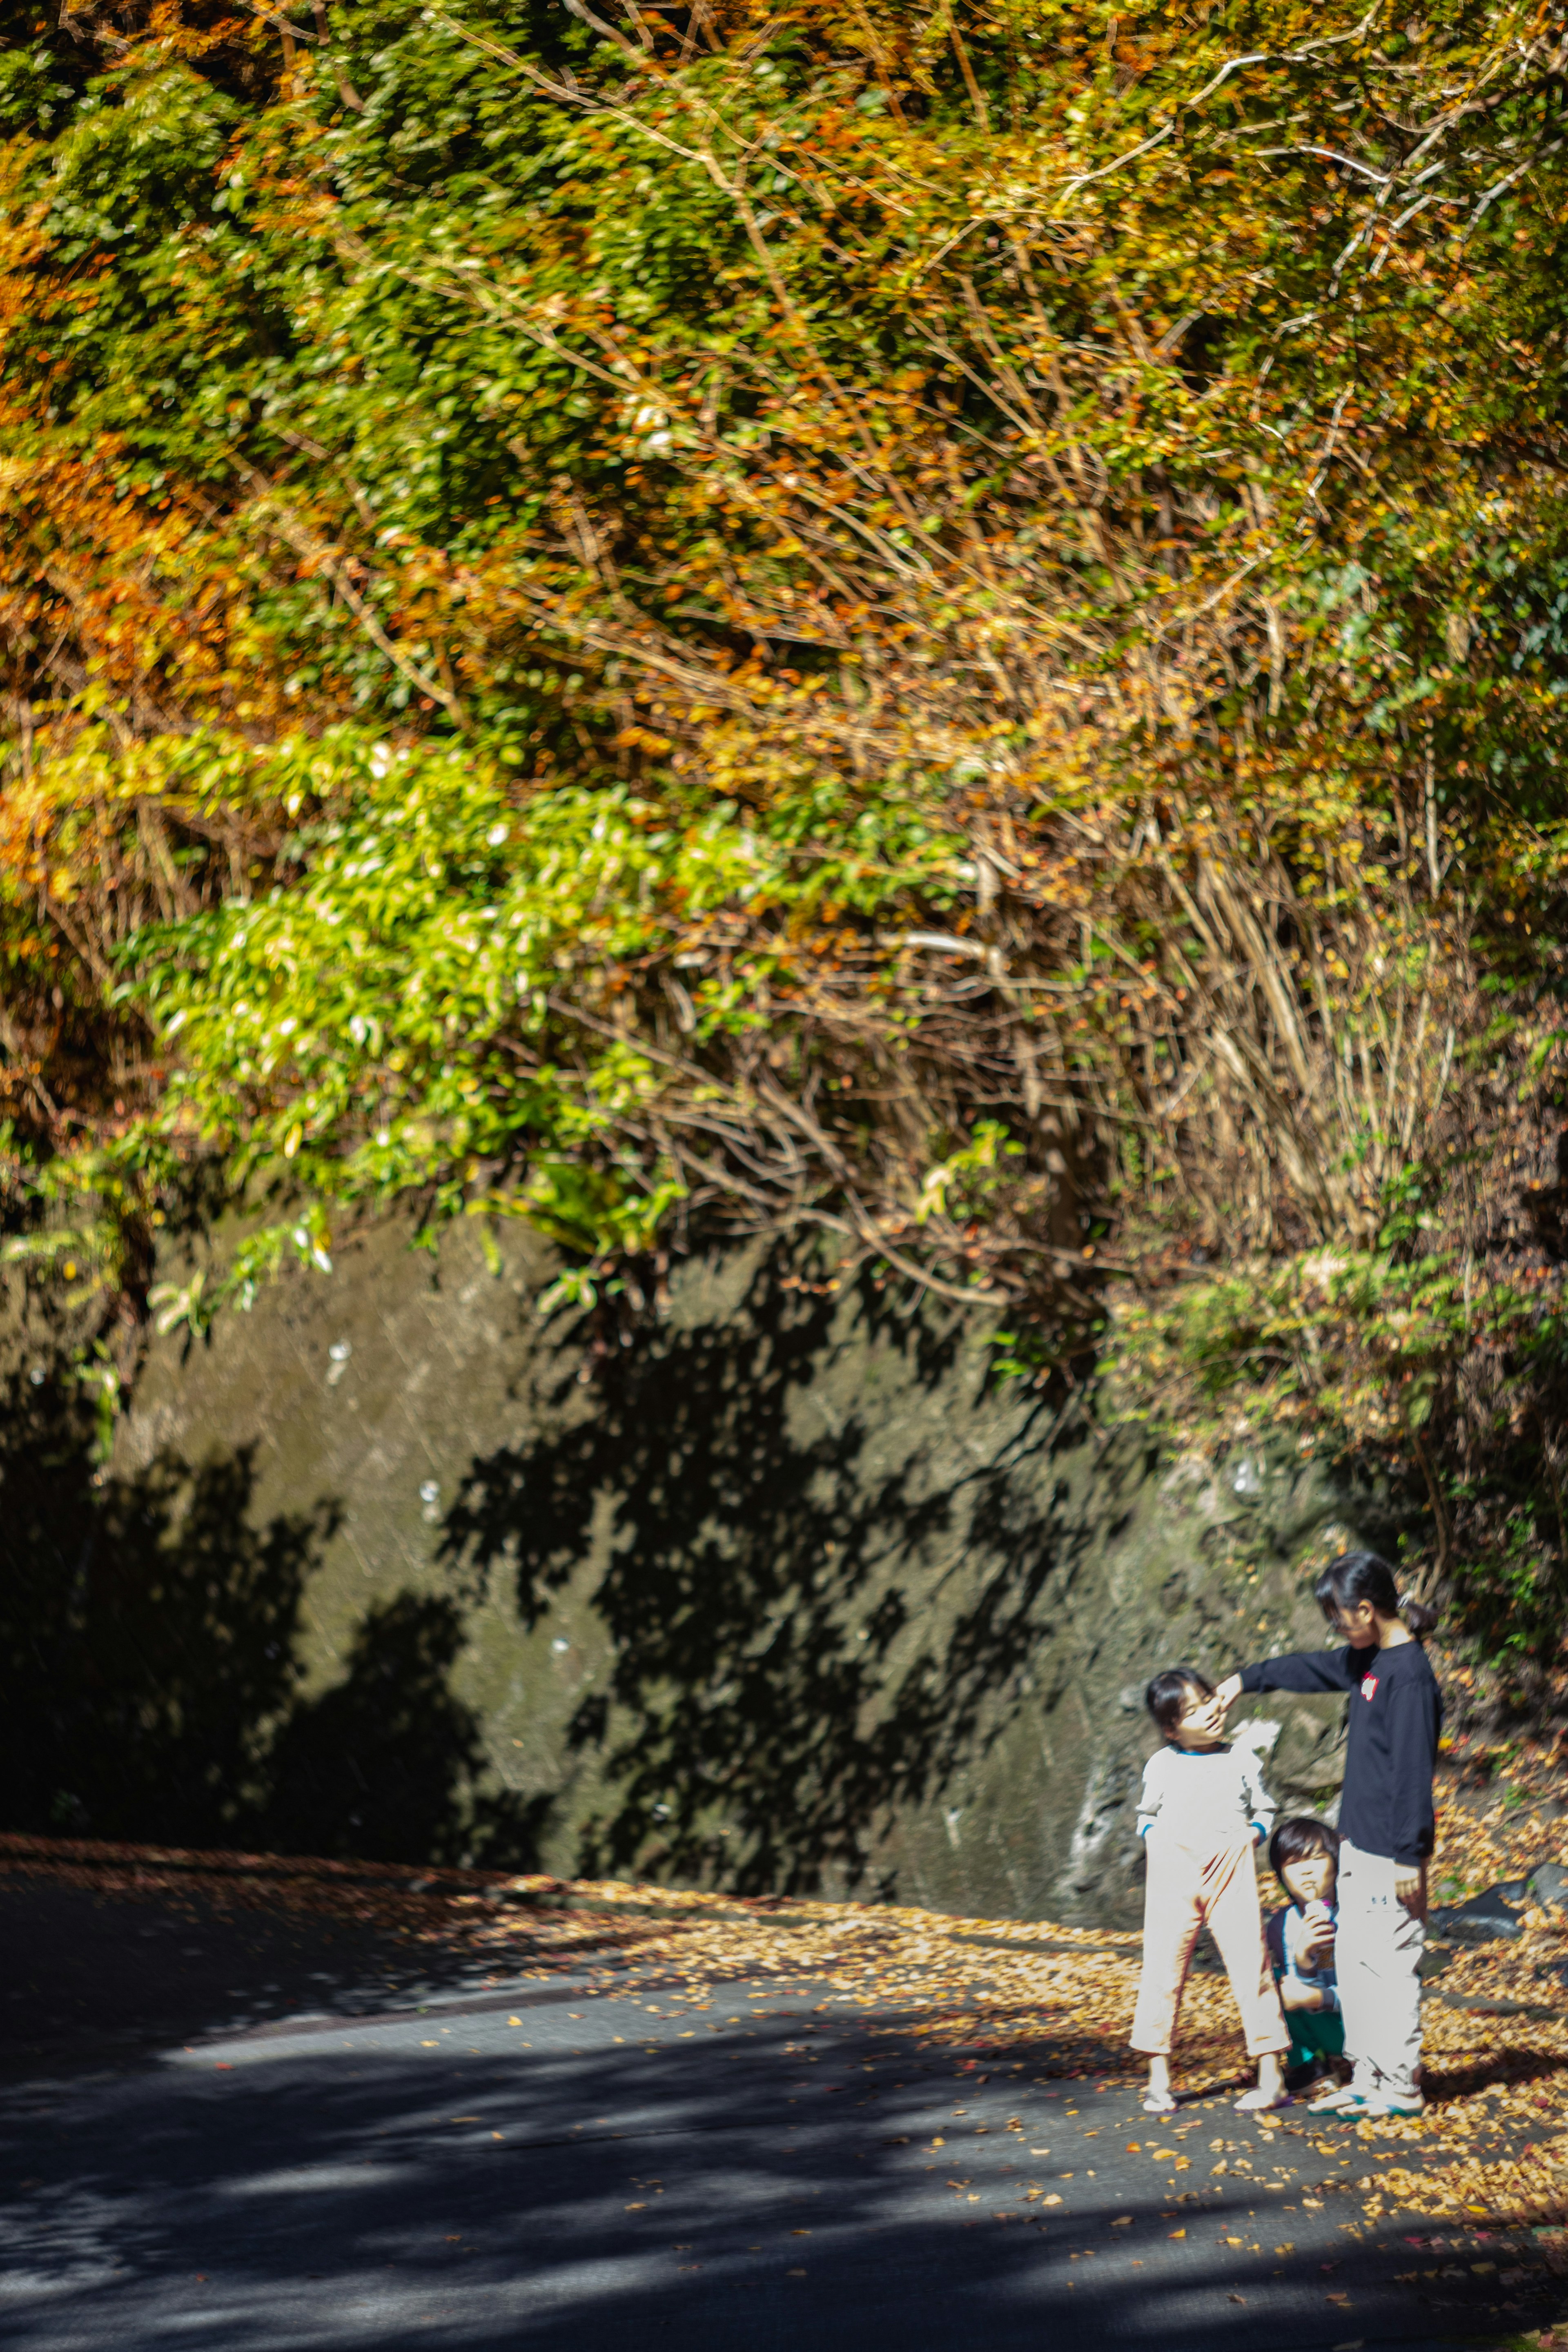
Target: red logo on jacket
1369,1687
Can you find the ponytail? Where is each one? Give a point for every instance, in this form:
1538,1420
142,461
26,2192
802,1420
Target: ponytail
1418,1615
1365,1576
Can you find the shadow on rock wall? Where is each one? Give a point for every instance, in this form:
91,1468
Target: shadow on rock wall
785,1672
783,1601
150,1683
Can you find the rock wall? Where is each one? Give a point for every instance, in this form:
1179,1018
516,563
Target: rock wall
785,1598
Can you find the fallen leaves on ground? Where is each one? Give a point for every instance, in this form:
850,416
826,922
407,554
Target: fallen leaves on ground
1032,1997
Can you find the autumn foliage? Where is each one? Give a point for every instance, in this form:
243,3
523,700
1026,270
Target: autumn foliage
939,624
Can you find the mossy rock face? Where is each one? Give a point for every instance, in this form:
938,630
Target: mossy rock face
783,1596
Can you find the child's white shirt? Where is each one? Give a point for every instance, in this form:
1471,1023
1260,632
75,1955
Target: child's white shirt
1204,1799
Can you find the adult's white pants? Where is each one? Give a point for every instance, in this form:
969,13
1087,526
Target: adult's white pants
1377,1953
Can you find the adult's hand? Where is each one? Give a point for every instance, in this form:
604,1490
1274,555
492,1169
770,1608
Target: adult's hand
1410,1886
1229,1690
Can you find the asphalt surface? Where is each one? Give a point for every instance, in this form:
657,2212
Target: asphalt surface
265,2135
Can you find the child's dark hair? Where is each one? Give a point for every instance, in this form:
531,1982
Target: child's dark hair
1298,1840
1168,1693
1363,1576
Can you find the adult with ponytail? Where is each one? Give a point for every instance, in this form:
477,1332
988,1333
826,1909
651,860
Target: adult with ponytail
1386,1818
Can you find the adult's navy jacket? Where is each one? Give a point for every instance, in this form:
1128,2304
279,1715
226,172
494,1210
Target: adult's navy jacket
1395,1715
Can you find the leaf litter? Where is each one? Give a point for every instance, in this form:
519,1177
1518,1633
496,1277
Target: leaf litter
1051,2001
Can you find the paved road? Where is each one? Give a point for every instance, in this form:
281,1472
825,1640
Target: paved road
263,2136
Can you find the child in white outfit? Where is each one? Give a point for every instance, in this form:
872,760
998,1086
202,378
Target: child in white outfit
1202,1812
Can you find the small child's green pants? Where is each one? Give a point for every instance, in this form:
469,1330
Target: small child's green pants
1314,2033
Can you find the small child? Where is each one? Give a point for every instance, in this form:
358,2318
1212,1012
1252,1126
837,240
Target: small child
1305,1856
1202,1812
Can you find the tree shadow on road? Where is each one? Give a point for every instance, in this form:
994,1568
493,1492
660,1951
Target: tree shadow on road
595,2198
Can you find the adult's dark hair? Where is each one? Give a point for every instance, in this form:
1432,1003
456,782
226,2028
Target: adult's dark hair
1366,1576
1299,1839
1169,1691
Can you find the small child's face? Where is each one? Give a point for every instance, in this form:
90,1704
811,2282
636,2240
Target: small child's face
1201,1723
1311,1880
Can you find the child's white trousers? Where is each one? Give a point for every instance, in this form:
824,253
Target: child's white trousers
1377,1953
1187,1890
